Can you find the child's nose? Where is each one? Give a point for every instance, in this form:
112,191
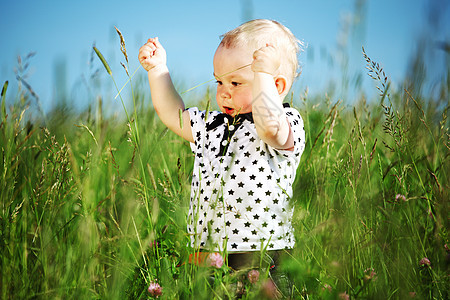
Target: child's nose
224,93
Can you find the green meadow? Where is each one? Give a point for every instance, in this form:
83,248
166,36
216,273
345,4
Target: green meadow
93,205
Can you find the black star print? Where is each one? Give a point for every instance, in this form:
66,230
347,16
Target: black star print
243,169
219,214
272,231
233,176
247,224
249,208
237,161
254,232
261,169
234,246
274,216
275,201
253,246
254,162
230,192
239,200
266,209
247,133
250,193
264,224
269,177
245,240
259,185
237,216
241,147
235,231
228,224
217,230
247,154
252,177
258,201
268,193
252,139
241,184
256,217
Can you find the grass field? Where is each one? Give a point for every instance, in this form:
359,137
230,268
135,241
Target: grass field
93,205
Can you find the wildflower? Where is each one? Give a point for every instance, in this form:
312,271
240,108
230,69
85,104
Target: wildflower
400,197
253,276
155,289
215,260
270,290
344,296
326,286
412,294
369,274
425,262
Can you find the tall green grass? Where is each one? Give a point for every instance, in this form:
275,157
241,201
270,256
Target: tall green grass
94,206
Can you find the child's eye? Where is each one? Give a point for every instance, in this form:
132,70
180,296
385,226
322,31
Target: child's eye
219,82
234,83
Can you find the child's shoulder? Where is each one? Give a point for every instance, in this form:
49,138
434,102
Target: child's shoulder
202,114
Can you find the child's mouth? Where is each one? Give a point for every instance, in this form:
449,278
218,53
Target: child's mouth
228,110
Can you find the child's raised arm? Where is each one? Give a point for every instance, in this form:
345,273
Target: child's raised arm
166,100
269,89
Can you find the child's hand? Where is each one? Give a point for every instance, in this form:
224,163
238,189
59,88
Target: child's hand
266,60
152,54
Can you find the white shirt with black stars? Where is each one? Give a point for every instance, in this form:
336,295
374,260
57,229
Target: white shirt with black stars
240,200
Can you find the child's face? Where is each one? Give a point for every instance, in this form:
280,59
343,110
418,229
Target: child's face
234,79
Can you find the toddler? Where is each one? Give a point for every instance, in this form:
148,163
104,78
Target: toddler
246,154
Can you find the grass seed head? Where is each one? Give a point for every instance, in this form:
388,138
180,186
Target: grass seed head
122,44
103,60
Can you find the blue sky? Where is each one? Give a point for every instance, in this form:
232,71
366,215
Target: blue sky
63,32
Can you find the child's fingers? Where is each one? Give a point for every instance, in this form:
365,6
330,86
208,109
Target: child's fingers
157,43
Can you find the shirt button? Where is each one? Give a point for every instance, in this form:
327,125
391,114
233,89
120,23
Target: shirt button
224,143
231,127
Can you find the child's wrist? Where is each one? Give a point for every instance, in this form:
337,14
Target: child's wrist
158,70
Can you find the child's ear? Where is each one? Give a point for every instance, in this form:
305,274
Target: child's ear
281,84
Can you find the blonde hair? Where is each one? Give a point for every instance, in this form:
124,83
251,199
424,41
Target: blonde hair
257,33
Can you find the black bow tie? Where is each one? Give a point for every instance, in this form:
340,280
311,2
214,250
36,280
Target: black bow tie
233,124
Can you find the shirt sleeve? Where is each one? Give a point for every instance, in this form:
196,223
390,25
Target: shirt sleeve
197,126
298,131
199,120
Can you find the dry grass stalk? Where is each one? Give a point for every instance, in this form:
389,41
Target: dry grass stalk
122,44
